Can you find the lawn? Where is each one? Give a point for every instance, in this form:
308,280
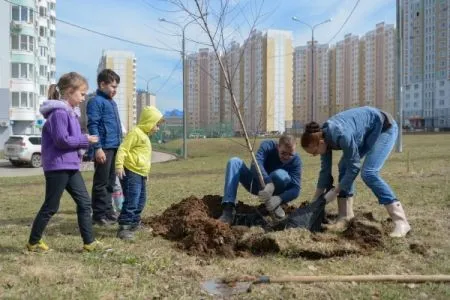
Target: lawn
151,268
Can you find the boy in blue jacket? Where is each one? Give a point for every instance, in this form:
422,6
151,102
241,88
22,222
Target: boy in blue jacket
281,168
104,122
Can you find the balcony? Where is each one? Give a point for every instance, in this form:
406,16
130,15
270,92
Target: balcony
21,114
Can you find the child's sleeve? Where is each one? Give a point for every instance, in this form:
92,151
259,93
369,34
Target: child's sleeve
124,149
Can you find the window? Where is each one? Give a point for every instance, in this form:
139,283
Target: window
43,71
22,99
16,13
42,31
21,14
43,51
26,42
441,93
15,99
42,11
21,70
42,90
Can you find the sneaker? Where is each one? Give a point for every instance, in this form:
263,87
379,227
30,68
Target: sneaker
38,247
103,222
112,217
126,232
94,246
136,227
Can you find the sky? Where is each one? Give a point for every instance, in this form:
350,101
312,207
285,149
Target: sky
137,20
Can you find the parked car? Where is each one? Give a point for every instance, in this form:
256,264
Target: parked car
23,149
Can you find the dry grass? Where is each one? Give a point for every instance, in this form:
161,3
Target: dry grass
151,268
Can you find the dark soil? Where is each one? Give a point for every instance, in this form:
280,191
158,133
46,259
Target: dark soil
193,225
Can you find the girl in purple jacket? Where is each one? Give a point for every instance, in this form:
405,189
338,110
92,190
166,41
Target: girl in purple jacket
62,147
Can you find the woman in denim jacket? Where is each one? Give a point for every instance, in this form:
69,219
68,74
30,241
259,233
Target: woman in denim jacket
359,132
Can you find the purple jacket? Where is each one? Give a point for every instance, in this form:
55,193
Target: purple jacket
61,137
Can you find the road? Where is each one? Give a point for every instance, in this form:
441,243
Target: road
7,170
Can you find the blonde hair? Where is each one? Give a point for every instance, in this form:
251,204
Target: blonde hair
67,82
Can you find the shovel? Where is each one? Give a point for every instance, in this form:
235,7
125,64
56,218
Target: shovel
229,287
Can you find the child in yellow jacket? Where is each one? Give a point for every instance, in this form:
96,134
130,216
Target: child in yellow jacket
133,162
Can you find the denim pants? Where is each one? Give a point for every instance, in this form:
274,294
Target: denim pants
55,184
135,196
375,158
237,172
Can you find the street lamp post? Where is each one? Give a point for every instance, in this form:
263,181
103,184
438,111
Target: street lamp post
313,116
183,56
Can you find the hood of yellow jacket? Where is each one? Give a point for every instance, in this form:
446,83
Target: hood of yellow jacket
150,116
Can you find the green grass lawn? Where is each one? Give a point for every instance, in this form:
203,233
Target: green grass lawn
151,268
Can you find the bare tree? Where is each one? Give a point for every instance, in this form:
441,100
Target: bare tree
216,22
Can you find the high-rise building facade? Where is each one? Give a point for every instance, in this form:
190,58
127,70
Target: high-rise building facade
231,59
377,66
426,63
143,99
27,63
202,89
276,111
124,64
347,73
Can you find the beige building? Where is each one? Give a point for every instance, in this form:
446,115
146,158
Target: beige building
347,73
202,89
303,84
144,99
377,66
231,60
124,64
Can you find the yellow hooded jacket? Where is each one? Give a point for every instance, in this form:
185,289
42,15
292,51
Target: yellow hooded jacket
135,152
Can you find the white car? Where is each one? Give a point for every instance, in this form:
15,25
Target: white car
23,149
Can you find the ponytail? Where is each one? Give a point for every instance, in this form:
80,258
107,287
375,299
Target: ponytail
53,92
312,134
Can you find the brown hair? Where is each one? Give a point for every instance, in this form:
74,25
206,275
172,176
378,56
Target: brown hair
312,135
107,76
287,140
69,81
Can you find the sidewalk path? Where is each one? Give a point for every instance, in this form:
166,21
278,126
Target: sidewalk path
7,170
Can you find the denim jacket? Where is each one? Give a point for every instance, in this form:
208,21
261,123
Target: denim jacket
353,131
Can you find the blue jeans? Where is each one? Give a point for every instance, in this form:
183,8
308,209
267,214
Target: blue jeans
237,172
135,196
374,161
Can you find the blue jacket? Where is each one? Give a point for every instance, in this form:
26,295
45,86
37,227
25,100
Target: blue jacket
269,161
104,121
353,131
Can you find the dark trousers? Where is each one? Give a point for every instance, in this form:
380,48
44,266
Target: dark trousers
55,184
102,187
135,196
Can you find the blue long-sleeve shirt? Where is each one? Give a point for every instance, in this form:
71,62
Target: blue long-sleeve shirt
353,131
269,160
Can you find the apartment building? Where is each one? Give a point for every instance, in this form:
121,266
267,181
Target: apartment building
124,64
347,73
277,75
143,99
426,63
231,59
377,68
27,63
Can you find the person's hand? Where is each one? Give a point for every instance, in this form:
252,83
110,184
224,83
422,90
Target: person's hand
267,192
100,156
331,195
120,173
92,138
272,203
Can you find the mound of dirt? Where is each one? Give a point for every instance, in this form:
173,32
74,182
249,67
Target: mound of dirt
193,225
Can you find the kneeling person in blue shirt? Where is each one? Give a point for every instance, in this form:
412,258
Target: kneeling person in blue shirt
281,169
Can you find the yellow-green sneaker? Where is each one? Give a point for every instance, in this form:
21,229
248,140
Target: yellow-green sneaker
94,246
38,247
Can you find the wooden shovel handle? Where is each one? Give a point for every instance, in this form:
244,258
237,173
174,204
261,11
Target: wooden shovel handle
356,278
